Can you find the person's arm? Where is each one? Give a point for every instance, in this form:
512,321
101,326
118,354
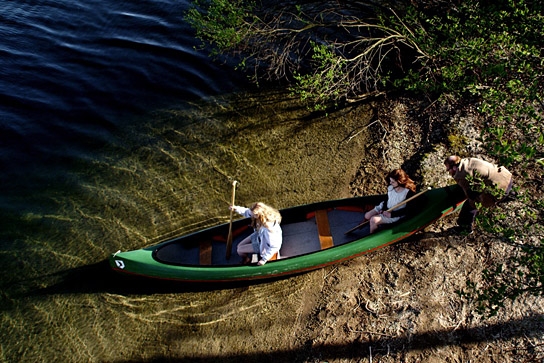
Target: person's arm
246,212
471,195
408,209
383,204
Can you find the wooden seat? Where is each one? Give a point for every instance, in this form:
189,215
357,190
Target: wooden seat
323,229
255,257
205,248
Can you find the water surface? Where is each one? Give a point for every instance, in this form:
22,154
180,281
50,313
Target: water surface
116,134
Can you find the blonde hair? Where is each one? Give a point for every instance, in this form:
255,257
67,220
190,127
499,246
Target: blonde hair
264,214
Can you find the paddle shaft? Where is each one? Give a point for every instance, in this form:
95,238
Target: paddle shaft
390,209
229,238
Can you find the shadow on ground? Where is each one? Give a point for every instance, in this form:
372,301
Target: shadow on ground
531,326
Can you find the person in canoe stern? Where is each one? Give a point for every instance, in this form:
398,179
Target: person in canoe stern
400,187
459,168
267,238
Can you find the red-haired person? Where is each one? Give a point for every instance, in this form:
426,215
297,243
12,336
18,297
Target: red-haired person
400,187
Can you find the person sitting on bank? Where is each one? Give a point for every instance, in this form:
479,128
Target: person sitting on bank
266,240
490,174
400,187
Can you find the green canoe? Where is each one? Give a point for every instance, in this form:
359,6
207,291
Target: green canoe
314,236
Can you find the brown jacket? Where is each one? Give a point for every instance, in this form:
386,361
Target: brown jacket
491,175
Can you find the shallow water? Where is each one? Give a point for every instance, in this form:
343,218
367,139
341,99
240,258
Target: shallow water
61,300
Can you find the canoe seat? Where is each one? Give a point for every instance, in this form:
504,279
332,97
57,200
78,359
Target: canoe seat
205,248
323,228
255,257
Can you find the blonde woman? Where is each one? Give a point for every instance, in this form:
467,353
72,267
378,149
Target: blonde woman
400,188
267,238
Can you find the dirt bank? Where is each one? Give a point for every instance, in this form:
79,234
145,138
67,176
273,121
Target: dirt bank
400,304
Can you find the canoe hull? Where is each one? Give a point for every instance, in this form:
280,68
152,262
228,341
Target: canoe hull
148,262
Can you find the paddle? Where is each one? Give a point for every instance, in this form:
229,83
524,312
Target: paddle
390,209
229,238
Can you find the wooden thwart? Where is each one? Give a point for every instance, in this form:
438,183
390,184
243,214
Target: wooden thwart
255,257
205,247
323,228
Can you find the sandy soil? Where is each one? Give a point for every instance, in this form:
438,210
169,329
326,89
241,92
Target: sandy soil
400,304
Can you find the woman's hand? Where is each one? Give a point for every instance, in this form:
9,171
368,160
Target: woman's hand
386,214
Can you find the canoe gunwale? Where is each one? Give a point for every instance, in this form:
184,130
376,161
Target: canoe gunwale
150,266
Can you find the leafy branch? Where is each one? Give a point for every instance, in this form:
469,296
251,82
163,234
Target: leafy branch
325,54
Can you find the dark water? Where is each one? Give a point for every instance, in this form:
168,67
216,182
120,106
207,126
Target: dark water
79,77
73,74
